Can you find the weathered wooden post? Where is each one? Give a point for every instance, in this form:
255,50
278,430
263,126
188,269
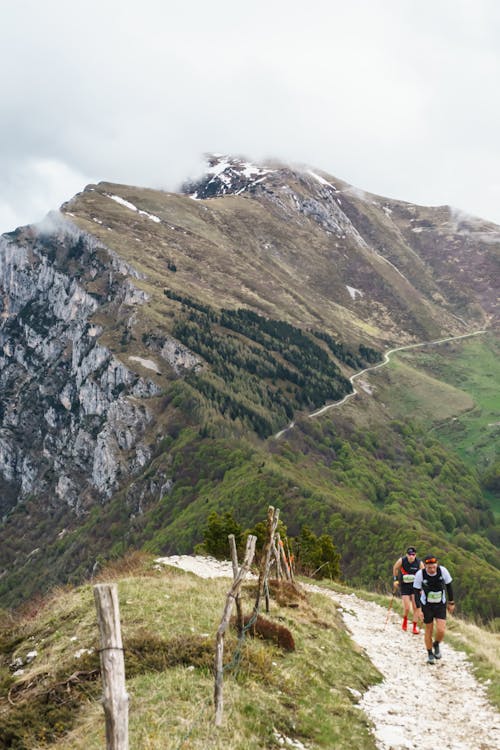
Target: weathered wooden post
272,522
226,616
283,557
277,556
290,558
234,558
115,698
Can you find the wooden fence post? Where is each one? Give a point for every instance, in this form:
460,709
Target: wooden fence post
283,557
115,698
272,522
219,641
290,558
234,558
277,556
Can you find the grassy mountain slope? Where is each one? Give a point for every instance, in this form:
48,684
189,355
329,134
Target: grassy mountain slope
453,391
374,486
169,620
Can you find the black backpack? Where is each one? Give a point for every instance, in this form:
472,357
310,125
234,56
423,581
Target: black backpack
427,580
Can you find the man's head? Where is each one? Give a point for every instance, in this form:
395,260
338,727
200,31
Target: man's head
411,551
431,563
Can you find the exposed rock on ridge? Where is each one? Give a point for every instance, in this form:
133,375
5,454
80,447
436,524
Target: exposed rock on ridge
73,415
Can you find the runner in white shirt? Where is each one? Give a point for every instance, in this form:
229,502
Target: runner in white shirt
434,592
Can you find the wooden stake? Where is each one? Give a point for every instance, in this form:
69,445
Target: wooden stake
226,616
272,522
290,558
283,558
277,557
115,698
234,558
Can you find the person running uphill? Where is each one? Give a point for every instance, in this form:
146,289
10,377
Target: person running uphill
404,572
432,586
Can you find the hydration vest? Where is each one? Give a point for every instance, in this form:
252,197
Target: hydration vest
409,569
433,586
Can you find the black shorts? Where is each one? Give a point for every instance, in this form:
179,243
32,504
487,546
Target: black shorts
434,612
407,589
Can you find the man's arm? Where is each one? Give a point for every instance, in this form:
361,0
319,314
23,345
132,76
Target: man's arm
449,596
395,573
417,588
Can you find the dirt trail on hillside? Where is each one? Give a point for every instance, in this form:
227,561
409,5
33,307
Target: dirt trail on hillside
452,712
386,360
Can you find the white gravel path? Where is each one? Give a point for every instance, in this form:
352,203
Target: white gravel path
451,710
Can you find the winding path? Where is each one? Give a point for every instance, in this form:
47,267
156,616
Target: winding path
385,361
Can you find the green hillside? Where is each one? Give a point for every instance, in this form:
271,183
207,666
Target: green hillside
374,486
453,391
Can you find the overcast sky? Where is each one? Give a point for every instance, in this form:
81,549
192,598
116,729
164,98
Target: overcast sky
398,97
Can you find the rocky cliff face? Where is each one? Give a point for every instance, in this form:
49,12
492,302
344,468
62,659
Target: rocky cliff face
73,416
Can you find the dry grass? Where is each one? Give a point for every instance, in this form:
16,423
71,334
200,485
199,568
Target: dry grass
169,619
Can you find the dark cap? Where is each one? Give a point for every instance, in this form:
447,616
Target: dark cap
411,551
430,559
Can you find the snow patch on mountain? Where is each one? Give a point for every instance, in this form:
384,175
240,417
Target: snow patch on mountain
321,180
226,175
131,207
354,292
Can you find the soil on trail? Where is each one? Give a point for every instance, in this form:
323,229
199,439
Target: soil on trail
416,705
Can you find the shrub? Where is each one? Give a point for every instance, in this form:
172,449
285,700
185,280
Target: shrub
316,556
216,532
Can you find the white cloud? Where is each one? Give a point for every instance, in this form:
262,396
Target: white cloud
33,187
393,96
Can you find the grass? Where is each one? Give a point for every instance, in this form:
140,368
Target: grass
169,619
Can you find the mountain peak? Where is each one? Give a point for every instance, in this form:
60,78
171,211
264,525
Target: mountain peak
226,175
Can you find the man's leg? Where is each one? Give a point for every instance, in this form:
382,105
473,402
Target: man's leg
440,628
406,609
415,612
429,627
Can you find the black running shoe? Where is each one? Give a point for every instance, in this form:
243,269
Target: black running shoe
437,651
431,659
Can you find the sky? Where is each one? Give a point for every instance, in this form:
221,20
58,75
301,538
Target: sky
396,97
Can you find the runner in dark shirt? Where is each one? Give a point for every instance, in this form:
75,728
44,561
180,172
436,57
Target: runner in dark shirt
403,573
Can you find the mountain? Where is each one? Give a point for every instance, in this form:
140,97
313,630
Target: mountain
152,343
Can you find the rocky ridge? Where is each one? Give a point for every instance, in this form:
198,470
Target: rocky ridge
70,409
